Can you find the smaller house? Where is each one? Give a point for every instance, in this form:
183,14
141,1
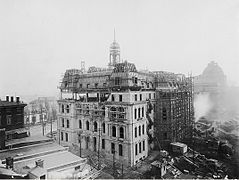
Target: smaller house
178,147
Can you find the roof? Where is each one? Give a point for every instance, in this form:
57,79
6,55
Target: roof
8,103
38,171
178,144
8,172
31,150
51,162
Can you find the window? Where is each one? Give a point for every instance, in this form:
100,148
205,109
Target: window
103,144
67,109
140,97
9,119
0,120
164,113
80,124
62,122
144,145
95,126
120,150
62,136
87,142
165,135
149,95
66,137
138,112
135,132
103,127
140,147
112,148
96,85
95,142
143,129
62,108
139,130
87,125
120,98
113,131
67,123
117,81
135,80
142,111
154,96
135,97
121,132
112,98
136,149
135,113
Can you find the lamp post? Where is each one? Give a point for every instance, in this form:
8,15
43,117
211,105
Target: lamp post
79,140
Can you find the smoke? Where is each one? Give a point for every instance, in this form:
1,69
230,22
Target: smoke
202,105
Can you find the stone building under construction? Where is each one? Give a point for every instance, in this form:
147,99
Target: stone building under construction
121,111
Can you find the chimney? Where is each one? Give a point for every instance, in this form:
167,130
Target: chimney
7,98
12,98
39,163
9,163
18,99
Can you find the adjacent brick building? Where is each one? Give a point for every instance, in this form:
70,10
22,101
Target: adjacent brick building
11,120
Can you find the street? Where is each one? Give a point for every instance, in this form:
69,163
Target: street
36,130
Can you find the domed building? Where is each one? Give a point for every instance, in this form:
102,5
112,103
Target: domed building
211,80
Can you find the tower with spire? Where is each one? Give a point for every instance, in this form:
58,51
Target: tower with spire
114,53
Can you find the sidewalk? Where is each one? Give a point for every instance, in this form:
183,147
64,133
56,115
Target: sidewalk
27,140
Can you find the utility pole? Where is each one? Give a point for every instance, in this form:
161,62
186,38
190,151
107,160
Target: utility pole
99,149
80,142
41,116
51,121
122,171
51,128
113,163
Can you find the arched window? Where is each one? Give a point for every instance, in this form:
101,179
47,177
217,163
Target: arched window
67,108
135,113
121,132
121,109
135,132
139,130
164,114
138,112
62,108
120,150
113,131
87,125
112,148
80,124
143,129
95,126
113,108
103,127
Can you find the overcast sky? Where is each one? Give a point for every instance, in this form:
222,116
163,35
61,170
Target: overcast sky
40,39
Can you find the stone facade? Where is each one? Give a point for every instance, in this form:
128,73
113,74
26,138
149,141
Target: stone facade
114,110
